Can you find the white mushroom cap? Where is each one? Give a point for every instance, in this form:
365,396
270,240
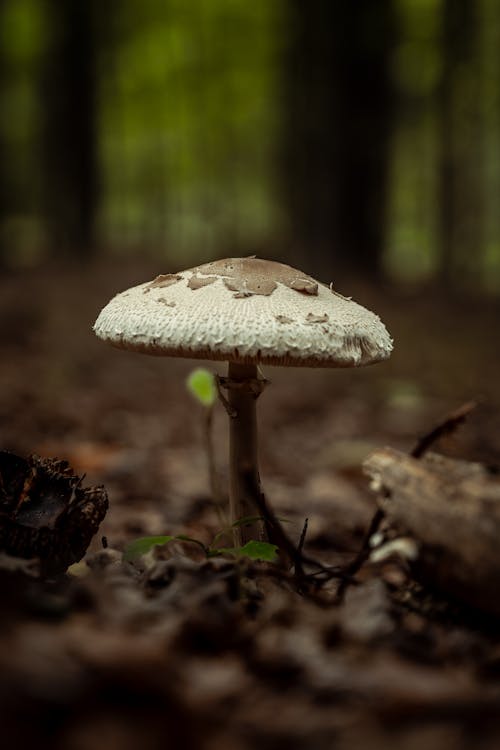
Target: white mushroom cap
245,310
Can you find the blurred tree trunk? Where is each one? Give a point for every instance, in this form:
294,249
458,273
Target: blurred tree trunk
337,128
4,190
459,143
70,149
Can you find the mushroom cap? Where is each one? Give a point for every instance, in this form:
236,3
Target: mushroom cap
245,310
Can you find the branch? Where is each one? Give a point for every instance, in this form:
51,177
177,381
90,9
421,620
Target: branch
448,425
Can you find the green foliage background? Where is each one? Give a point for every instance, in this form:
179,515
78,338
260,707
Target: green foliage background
190,116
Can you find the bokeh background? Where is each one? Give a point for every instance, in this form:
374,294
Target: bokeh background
333,135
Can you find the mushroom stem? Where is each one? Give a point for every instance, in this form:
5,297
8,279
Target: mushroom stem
244,387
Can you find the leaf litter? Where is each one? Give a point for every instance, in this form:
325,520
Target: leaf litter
178,649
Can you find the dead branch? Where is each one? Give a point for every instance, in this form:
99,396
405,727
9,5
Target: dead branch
452,509
448,425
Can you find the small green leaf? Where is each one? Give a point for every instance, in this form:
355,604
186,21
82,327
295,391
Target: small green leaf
259,551
141,546
201,384
253,549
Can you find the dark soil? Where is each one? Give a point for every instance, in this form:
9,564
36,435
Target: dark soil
179,651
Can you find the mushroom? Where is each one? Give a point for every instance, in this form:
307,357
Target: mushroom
245,311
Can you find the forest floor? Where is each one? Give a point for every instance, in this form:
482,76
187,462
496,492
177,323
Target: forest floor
179,651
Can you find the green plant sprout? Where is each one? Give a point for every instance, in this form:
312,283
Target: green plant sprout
201,384
254,550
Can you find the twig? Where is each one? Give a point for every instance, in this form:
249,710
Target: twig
302,539
355,565
294,557
448,425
